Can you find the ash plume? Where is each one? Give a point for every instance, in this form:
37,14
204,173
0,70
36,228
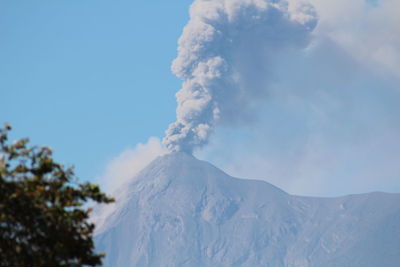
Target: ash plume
225,57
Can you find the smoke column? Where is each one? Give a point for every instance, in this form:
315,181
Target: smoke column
225,56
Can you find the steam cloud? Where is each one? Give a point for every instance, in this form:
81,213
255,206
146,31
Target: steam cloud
225,57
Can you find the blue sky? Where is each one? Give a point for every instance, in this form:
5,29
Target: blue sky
89,78
92,79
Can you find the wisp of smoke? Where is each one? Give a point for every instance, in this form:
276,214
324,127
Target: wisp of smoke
131,161
225,55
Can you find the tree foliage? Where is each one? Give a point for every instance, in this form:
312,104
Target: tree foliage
43,217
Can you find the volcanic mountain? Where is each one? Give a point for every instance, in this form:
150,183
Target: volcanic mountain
180,211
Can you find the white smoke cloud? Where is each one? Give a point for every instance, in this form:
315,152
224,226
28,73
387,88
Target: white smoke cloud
367,29
225,57
130,162
332,123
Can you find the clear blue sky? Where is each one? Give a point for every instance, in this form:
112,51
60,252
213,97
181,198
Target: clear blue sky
89,78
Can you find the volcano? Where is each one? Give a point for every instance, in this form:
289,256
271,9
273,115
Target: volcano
181,211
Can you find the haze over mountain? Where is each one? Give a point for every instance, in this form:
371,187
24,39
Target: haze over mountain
180,211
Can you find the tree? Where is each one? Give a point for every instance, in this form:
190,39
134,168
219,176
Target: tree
43,216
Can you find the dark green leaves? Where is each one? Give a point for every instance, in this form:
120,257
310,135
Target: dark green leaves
42,219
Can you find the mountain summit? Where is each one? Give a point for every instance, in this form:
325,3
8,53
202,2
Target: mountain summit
180,211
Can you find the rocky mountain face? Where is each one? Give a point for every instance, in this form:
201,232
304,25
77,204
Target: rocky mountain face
180,211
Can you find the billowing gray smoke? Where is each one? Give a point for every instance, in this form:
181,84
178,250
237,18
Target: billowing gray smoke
225,57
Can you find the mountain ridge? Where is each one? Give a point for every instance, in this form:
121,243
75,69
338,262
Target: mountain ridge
180,211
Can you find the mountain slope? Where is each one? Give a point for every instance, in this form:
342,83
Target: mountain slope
180,211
